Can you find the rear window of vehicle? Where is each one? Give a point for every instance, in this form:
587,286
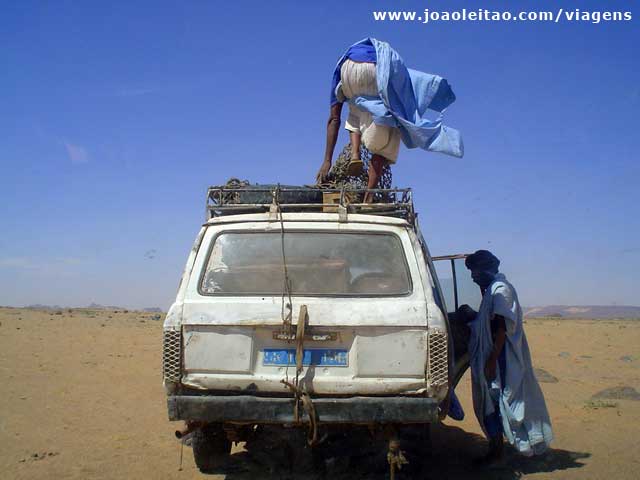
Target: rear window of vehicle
317,263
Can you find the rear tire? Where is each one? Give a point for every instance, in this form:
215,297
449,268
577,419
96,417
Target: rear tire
211,448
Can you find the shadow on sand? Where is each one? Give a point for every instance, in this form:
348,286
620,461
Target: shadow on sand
346,457
454,450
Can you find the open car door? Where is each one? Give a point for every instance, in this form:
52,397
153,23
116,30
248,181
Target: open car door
457,289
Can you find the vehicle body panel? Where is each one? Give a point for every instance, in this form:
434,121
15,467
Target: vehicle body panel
387,341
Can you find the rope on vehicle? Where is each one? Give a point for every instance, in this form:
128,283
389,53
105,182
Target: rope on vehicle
286,290
300,395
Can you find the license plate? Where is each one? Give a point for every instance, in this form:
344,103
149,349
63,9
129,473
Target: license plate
321,357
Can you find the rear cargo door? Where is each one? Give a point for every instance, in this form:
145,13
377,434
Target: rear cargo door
361,286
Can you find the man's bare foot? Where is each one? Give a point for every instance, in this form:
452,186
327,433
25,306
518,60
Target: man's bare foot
495,455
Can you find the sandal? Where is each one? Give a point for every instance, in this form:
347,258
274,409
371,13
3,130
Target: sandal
355,167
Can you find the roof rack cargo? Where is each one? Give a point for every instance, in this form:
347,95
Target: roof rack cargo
234,200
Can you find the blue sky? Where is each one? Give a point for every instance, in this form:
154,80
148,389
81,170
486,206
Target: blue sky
116,117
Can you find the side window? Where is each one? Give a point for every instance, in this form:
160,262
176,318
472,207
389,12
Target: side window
456,283
445,277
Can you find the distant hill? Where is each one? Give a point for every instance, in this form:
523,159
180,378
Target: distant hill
91,306
97,306
39,306
583,311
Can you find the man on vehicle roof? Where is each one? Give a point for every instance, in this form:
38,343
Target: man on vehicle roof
387,102
506,396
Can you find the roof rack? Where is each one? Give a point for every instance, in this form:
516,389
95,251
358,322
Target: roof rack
229,200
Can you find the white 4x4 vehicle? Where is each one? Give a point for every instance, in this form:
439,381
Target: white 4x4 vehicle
294,311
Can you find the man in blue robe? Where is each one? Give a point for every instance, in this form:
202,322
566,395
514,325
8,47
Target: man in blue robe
507,399
388,102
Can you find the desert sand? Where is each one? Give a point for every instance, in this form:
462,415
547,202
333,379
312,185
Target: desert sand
82,398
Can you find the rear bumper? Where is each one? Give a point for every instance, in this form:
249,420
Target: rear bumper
250,409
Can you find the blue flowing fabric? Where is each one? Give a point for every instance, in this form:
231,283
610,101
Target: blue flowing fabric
404,98
455,408
515,393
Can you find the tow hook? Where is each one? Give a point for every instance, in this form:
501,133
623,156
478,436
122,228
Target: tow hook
190,427
395,457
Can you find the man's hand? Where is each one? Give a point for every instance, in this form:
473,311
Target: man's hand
321,176
333,128
490,369
466,314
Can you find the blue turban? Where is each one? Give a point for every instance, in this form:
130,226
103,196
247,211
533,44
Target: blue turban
482,260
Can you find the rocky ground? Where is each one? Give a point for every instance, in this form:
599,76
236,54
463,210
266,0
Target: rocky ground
82,398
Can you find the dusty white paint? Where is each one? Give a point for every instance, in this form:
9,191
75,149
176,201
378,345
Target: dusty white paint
321,385
223,351
325,218
224,336
381,360
391,354
409,310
